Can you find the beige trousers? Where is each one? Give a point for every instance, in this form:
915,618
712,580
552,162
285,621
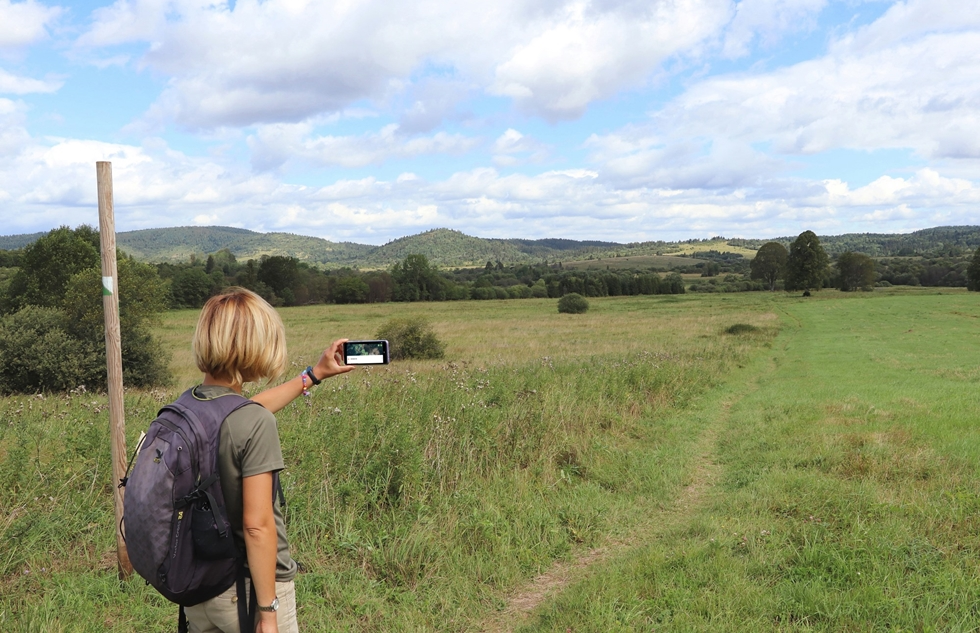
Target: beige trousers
220,614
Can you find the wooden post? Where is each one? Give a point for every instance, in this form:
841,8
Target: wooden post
113,353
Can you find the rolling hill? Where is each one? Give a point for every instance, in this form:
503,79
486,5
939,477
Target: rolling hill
449,248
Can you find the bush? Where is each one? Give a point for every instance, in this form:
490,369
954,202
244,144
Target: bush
37,353
411,338
741,328
482,293
573,303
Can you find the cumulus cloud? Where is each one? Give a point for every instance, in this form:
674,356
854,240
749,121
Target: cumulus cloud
894,84
714,159
274,145
14,84
768,21
52,181
589,54
891,86
127,21
924,187
279,60
638,157
285,60
25,22
431,101
513,148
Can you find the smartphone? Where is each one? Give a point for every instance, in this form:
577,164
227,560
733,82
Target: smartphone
366,353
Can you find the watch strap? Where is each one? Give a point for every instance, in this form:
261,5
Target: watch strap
309,372
272,607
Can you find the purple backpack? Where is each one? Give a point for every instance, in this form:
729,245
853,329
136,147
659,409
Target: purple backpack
176,528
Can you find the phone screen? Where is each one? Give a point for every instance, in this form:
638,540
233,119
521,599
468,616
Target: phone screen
366,352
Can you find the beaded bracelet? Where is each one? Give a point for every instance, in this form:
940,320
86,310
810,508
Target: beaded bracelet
306,392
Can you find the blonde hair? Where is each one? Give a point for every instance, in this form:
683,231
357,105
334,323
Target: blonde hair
239,337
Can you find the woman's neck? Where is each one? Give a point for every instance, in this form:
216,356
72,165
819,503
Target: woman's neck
220,382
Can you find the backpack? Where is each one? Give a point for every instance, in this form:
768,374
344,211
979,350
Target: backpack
176,529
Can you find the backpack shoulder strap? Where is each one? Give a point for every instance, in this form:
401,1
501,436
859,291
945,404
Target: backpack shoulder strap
218,408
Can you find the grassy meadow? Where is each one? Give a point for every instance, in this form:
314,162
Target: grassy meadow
815,471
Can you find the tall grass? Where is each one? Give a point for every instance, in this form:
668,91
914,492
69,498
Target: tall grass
419,494
847,495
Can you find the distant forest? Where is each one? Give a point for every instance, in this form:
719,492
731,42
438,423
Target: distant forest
438,265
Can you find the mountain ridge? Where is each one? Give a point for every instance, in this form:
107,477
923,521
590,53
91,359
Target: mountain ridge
453,248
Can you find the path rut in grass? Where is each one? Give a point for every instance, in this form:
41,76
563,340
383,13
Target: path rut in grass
704,472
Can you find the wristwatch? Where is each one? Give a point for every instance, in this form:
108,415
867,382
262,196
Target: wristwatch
272,607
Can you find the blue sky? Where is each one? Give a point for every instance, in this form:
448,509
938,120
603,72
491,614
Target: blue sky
367,120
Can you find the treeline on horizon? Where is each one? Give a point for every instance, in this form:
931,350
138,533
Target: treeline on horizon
729,272
287,281
932,257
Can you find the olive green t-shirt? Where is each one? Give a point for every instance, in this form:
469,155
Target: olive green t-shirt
249,445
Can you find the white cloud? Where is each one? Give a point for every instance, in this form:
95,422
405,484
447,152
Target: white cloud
432,101
278,61
51,182
892,85
513,148
588,54
22,24
129,20
25,22
637,157
274,145
716,159
925,186
919,90
13,134
13,84
768,20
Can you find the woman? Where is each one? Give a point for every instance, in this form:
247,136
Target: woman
240,338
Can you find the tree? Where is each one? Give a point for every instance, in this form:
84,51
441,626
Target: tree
856,270
55,340
769,263
416,280
351,289
280,273
142,297
190,288
380,286
48,264
973,273
807,264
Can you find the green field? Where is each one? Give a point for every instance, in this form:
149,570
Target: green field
815,472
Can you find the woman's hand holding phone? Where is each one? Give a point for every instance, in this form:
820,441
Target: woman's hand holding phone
331,361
